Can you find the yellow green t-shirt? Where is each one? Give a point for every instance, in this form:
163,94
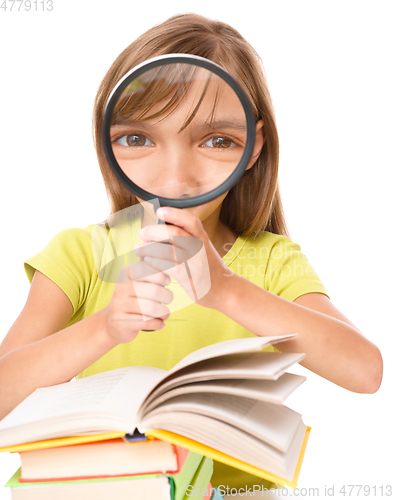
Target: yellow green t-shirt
271,261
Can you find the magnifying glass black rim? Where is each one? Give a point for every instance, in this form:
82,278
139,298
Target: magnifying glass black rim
196,61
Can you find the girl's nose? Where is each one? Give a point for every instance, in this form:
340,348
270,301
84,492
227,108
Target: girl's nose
178,173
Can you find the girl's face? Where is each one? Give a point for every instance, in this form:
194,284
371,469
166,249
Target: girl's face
213,207
188,151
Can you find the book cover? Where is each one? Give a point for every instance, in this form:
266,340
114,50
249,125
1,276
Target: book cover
111,458
177,482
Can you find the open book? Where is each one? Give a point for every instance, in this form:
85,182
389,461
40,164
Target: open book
224,401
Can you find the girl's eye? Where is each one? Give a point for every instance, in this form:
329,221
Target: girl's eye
134,140
221,142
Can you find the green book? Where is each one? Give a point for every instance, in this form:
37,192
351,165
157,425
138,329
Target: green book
199,485
157,486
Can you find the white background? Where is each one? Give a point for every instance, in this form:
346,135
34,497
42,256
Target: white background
330,71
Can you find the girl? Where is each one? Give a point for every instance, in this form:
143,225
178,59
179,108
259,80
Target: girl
73,323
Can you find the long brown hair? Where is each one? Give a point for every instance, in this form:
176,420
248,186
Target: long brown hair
253,205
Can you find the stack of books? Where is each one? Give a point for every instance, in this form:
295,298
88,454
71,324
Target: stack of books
223,401
113,468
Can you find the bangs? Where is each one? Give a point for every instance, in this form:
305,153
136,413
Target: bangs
158,92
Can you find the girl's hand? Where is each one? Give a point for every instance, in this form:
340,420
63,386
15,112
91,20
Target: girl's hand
137,302
204,276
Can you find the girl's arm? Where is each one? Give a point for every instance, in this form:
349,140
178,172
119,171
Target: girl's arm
40,351
335,349
33,355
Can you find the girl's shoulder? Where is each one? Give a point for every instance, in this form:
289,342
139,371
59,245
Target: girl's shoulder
270,245
263,248
269,239
278,264
68,260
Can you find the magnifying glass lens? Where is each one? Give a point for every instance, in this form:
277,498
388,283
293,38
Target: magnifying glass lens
178,130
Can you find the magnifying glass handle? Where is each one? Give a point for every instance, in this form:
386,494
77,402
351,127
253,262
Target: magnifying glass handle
159,221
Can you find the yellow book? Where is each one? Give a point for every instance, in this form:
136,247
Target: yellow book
224,401
191,445
55,443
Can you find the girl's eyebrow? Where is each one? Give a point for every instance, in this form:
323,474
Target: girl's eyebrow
127,124
223,124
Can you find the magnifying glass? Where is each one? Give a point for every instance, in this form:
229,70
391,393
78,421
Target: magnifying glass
178,128
178,131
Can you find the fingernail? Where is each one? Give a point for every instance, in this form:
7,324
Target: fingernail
161,212
147,258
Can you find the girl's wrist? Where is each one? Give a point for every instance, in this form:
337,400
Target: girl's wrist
227,295
102,334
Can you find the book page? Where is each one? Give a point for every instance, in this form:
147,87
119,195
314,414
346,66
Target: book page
271,391
230,347
272,423
247,365
118,391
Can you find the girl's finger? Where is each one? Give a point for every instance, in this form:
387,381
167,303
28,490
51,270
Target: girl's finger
136,321
176,247
139,309
174,255
177,271
183,219
142,271
161,232
149,309
151,291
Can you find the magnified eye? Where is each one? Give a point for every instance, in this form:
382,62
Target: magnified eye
134,140
221,142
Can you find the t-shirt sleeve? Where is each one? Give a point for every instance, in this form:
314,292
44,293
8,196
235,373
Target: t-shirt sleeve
289,272
68,261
